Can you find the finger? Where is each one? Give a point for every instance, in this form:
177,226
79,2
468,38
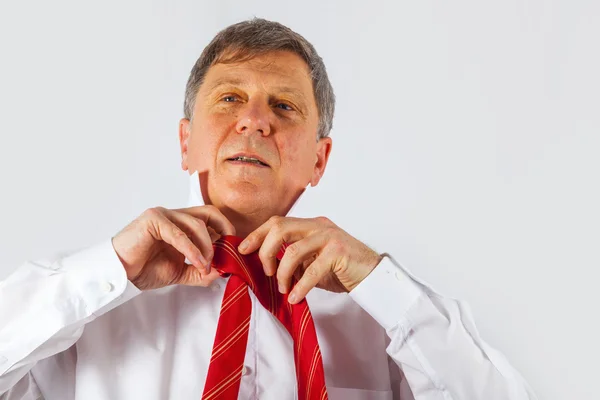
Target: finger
214,236
300,270
295,254
289,230
280,230
271,245
198,232
192,277
163,229
254,240
311,277
212,216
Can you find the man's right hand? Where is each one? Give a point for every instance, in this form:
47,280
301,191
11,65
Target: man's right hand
153,247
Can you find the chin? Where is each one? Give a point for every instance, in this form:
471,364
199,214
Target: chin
245,198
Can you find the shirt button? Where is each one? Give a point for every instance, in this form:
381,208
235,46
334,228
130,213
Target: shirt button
399,275
215,286
245,370
106,287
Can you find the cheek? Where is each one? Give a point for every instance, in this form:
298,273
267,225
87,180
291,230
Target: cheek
204,143
298,156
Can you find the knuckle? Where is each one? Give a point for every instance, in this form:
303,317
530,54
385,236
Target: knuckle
331,232
153,212
265,259
293,251
278,225
324,220
311,272
198,223
178,233
336,244
212,208
276,221
262,254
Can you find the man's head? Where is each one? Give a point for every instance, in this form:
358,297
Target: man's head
262,90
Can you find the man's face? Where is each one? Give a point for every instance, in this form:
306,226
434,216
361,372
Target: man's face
263,108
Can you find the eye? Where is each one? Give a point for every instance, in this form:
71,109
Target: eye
229,99
284,106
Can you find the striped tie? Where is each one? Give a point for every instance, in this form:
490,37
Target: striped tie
229,349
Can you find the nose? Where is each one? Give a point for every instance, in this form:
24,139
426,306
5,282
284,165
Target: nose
253,118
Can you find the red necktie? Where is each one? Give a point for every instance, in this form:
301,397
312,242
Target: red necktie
229,349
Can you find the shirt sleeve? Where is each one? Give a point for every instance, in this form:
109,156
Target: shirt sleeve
434,341
45,304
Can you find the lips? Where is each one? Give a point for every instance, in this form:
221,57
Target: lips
249,157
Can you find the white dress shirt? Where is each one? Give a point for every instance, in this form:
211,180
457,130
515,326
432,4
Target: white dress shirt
73,327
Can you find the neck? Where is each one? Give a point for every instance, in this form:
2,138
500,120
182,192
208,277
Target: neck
245,223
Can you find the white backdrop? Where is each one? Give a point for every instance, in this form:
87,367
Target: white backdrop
466,143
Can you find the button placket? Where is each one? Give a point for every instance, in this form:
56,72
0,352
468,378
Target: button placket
248,382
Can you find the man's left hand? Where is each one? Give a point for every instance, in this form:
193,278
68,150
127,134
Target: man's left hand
319,253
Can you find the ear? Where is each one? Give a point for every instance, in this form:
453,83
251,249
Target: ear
323,151
185,127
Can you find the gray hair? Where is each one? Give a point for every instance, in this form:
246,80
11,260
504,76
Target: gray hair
247,39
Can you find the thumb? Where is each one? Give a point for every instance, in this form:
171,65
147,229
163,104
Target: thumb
190,276
214,235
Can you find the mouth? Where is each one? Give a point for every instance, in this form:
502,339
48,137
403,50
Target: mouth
246,159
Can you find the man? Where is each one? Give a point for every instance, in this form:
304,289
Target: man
129,318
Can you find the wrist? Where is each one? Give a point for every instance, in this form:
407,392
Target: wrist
130,275
366,270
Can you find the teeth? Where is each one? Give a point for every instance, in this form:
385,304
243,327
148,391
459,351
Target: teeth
248,159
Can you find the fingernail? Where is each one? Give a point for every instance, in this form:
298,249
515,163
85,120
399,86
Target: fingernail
203,261
243,246
292,298
281,288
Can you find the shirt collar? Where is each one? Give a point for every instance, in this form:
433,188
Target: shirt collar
195,195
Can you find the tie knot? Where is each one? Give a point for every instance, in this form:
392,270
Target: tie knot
228,260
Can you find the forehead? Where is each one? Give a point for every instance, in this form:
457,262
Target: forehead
281,68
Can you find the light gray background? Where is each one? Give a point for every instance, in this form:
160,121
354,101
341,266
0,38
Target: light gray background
466,143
